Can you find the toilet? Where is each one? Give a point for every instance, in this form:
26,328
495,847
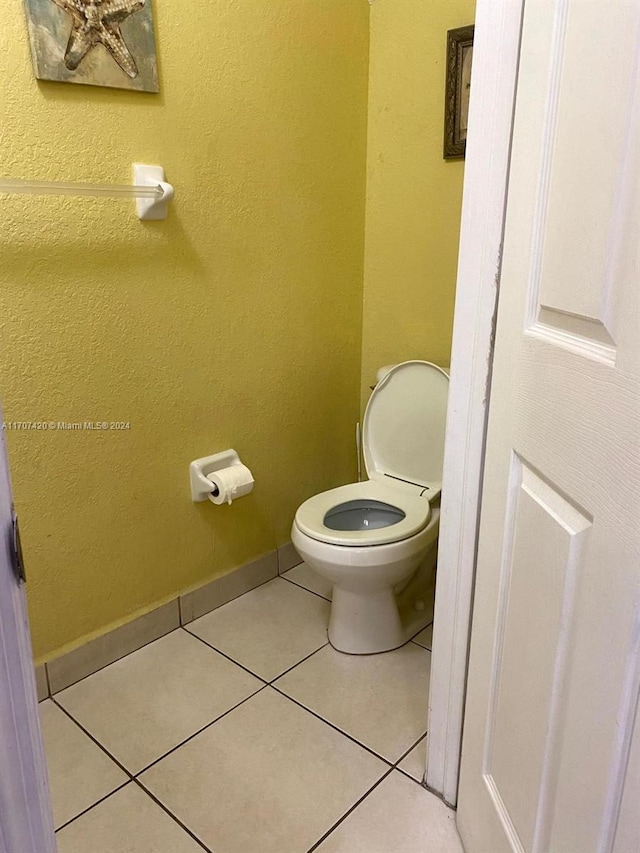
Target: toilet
376,540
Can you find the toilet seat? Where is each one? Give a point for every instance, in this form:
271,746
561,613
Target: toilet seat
310,517
403,444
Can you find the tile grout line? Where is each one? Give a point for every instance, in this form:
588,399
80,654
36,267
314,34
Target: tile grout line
46,675
312,591
223,654
92,738
249,671
424,628
195,734
412,778
93,805
364,797
171,815
404,755
396,766
421,646
413,639
349,811
332,726
310,655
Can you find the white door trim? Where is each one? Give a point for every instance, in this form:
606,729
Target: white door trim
495,66
26,823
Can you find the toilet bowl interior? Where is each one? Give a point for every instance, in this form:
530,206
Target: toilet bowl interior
362,515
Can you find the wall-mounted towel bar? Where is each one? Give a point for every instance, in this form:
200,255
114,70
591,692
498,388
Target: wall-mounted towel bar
151,191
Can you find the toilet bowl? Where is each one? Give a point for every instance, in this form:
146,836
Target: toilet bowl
375,541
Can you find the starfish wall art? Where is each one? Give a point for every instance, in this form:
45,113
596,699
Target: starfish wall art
96,42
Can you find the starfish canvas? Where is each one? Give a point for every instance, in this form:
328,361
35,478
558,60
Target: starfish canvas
95,42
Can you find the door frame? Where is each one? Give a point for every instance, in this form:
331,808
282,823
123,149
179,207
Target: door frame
26,824
498,29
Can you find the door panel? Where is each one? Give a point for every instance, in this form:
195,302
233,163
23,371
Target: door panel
546,541
553,677
26,823
586,113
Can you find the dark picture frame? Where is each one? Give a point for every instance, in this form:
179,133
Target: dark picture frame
458,86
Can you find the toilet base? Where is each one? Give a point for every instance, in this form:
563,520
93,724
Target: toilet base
375,588
382,620
365,624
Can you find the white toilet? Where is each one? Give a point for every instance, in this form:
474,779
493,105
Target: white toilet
376,540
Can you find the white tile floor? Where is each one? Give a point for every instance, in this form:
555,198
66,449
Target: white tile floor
247,733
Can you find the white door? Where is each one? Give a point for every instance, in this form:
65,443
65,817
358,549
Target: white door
550,763
26,825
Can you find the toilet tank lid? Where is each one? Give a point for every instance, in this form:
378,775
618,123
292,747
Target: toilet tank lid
404,424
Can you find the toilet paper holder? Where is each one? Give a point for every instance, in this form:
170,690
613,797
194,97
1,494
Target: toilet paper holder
201,488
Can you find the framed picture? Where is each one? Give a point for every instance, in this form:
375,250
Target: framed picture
458,88
99,43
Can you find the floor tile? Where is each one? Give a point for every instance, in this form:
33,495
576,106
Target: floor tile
380,700
268,777
415,763
145,704
80,773
127,822
269,629
425,637
306,577
397,816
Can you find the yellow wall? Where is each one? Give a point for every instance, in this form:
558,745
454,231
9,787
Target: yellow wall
413,195
236,323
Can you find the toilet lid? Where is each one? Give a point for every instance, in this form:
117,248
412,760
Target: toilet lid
404,424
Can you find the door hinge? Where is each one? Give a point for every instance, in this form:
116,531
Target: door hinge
17,558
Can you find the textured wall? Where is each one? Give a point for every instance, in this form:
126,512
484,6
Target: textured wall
235,323
413,195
